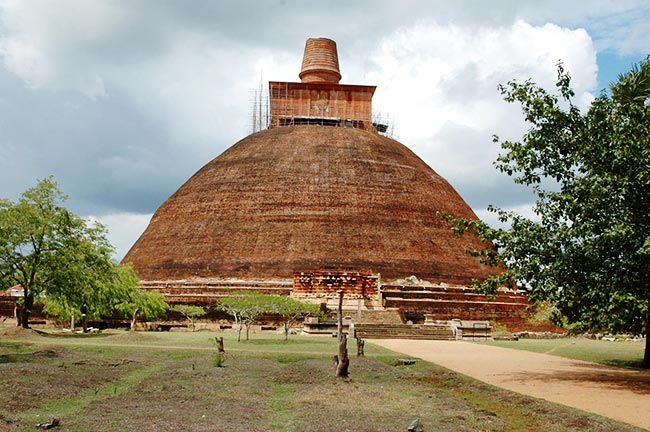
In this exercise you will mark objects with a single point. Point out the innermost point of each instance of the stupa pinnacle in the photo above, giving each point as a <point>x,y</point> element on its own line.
<point>320,62</point>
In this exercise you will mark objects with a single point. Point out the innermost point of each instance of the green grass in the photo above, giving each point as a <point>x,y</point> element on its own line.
<point>168,381</point>
<point>621,354</point>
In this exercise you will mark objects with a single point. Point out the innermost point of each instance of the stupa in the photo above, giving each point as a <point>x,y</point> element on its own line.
<point>319,192</point>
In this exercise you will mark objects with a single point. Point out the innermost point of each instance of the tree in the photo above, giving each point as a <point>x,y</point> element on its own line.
<point>63,261</point>
<point>46,249</point>
<point>190,312</point>
<point>90,280</point>
<point>588,250</point>
<point>342,360</point>
<point>245,308</point>
<point>129,300</point>
<point>290,310</point>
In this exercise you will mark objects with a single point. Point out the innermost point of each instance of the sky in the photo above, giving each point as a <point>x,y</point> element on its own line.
<point>121,101</point>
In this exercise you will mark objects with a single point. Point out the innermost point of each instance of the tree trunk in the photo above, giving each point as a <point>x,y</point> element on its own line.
<point>339,319</point>
<point>287,324</point>
<point>220,347</point>
<point>72,319</point>
<point>133,319</point>
<point>646,355</point>
<point>360,344</point>
<point>238,323</point>
<point>342,360</point>
<point>18,314</point>
<point>84,323</point>
<point>27,309</point>
<point>248,328</point>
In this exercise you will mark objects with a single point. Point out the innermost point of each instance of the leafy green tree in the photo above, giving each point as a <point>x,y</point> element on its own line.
<point>190,312</point>
<point>587,251</point>
<point>291,310</point>
<point>246,308</point>
<point>64,261</point>
<point>235,306</point>
<point>43,245</point>
<point>131,301</point>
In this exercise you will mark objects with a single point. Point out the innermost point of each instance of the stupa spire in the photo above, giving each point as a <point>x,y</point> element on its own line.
<point>320,63</point>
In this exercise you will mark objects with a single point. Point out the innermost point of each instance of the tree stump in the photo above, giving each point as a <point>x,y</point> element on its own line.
<point>360,344</point>
<point>343,359</point>
<point>220,347</point>
<point>415,426</point>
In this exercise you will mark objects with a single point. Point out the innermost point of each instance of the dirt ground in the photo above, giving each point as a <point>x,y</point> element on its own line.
<point>619,394</point>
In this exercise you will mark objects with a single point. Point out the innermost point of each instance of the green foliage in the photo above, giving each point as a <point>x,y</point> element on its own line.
<point>219,359</point>
<point>246,308</point>
<point>131,301</point>
<point>291,310</point>
<point>190,312</point>
<point>588,251</point>
<point>61,259</point>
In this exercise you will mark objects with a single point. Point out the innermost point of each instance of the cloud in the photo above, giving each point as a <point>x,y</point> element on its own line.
<point>123,101</point>
<point>439,82</point>
<point>123,229</point>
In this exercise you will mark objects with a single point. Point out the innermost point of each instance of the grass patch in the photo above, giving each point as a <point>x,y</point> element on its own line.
<point>620,354</point>
<point>63,407</point>
<point>168,381</point>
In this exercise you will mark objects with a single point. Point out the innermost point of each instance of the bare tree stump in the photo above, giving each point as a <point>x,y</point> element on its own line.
<point>220,347</point>
<point>415,426</point>
<point>52,423</point>
<point>343,361</point>
<point>360,344</point>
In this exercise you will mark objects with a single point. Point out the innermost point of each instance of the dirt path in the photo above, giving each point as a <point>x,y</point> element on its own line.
<point>619,394</point>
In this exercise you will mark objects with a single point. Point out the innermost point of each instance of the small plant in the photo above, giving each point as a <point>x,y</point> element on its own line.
<point>219,359</point>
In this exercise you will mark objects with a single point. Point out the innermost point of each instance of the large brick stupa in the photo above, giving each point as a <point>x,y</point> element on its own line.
<point>319,189</point>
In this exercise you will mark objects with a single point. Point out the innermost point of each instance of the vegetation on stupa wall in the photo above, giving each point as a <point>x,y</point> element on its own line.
<point>63,261</point>
<point>587,251</point>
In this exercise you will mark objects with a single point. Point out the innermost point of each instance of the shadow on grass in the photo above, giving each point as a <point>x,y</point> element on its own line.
<point>628,364</point>
<point>71,335</point>
<point>637,381</point>
<point>29,357</point>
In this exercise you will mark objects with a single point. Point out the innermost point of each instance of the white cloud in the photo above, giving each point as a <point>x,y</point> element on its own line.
<point>123,229</point>
<point>440,84</point>
<point>49,45</point>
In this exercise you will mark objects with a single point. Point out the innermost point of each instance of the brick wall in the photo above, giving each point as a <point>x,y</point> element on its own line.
<point>319,103</point>
<point>328,284</point>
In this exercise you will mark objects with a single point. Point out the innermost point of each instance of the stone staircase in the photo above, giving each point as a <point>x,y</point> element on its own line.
<point>442,302</point>
<point>404,331</point>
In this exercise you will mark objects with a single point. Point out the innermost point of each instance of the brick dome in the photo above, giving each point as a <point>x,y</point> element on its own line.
<point>304,198</point>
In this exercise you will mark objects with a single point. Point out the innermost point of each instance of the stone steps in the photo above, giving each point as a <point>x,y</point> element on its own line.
<point>403,331</point>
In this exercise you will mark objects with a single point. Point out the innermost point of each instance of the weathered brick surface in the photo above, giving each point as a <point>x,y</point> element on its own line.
<point>510,308</point>
<point>320,62</point>
<point>311,103</point>
<point>310,197</point>
<point>329,283</point>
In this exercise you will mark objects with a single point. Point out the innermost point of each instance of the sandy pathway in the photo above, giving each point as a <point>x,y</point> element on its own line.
<point>620,394</point>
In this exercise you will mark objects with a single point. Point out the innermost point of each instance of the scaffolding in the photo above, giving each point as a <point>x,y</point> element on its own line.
<point>281,104</point>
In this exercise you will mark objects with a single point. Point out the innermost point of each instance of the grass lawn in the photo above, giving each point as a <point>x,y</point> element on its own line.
<point>168,382</point>
<point>621,353</point>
